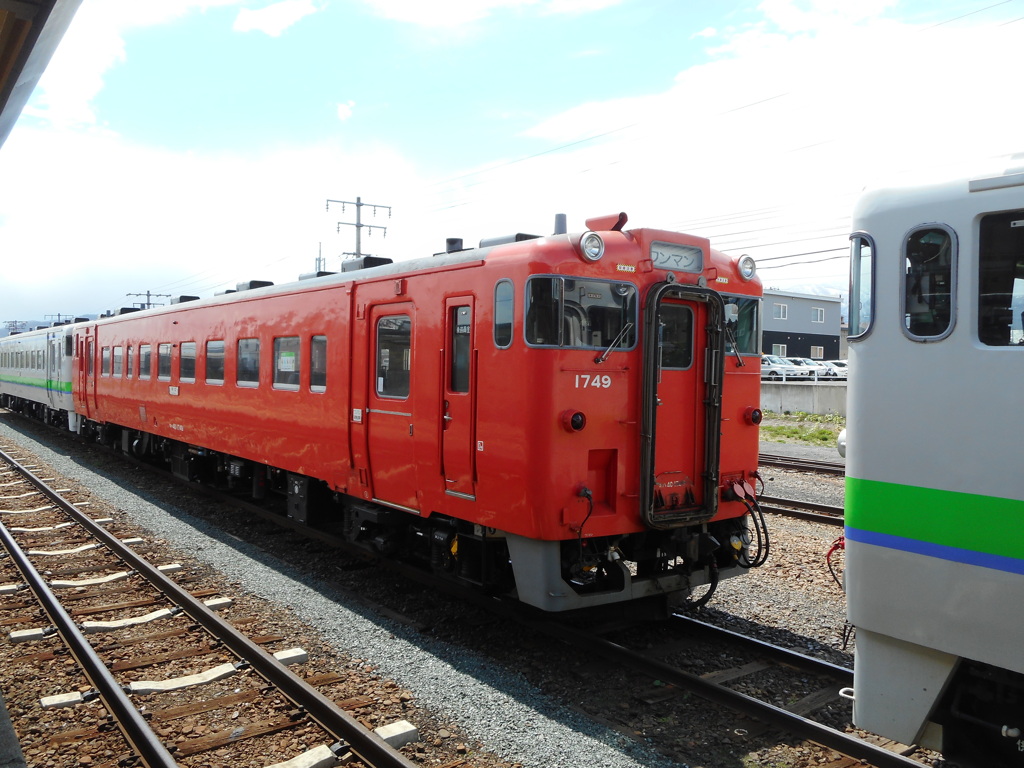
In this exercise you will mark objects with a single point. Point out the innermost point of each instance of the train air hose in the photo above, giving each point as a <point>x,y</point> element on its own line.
<point>761,531</point>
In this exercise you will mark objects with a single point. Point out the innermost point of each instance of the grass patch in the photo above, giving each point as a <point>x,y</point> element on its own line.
<point>807,428</point>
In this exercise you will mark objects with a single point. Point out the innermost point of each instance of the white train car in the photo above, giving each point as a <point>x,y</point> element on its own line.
<point>935,487</point>
<point>35,374</point>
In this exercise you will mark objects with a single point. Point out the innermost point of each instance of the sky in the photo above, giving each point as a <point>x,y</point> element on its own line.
<point>178,147</point>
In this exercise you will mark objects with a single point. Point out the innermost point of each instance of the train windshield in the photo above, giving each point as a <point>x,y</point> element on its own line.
<point>742,314</point>
<point>580,314</point>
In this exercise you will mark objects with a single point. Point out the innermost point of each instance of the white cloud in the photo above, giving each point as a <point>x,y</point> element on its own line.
<point>345,110</point>
<point>274,19</point>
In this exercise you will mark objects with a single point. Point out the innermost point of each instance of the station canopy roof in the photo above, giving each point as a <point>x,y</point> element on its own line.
<point>29,33</point>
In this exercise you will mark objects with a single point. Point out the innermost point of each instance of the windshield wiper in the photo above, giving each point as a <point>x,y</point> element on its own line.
<point>615,342</point>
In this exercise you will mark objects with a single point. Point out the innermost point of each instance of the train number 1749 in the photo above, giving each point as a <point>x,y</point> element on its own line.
<point>584,380</point>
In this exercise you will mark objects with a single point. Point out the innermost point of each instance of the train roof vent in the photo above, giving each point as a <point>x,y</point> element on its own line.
<point>250,285</point>
<point>182,299</point>
<point>518,237</point>
<point>41,327</point>
<point>81,319</point>
<point>127,310</point>
<point>225,292</point>
<point>315,275</point>
<point>364,262</point>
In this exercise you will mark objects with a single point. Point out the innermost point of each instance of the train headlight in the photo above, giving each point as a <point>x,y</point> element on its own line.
<point>591,246</point>
<point>574,421</point>
<point>748,268</point>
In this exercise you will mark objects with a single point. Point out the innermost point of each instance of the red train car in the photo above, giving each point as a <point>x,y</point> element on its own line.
<point>570,418</point>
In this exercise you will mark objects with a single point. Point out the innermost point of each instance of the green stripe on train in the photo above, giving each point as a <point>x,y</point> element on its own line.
<point>963,520</point>
<point>50,384</point>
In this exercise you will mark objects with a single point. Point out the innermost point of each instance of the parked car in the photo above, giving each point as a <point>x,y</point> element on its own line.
<point>776,368</point>
<point>841,367</point>
<point>815,368</point>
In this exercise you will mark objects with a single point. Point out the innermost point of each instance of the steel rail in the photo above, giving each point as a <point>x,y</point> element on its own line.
<point>842,675</point>
<point>808,465</point>
<point>364,742</point>
<point>129,720</point>
<point>803,510</point>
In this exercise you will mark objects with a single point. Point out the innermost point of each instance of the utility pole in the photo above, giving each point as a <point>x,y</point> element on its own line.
<point>58,318</point>
<point>358,224</point>
<point>14,326</point>
<point>149,299</point>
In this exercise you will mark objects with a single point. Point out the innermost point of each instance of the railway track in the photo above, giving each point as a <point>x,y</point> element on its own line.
<point>826,514</point>
<point>802,465</point>
<point>725,687</point>
<point>263,706</point>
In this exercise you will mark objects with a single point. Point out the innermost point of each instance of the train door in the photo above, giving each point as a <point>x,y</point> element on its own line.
<point>390,406</point>
<point>458,404</point>
<point>683,365</point>
<point>84,372</point>
<point>53,359</point>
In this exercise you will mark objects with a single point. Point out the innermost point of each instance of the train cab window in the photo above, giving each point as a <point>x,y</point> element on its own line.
<point>187,364</point>
<point>215,362</point>
<point>105,361</point>
<point>118,361</point>
<point>145,361</point>
<point>163,362</point>
<point>318,364</point>
<point>1001,280</point>
<point>928,283</point>
<point>742,325</point>
<point>504,307</point>
<point>394,355</point>
<point>286,363</point>
<point>129,371</point>
<point>862,284</point>
<point>248,373</point>
<point>676,336</point>
<point>580,314</point>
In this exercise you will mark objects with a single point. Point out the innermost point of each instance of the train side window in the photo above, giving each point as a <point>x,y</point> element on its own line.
<point>118,361</point>
<point>129,371</point>
<point>1001,279</point>
<point>145,361</point>
<point>163,362</point>
<point>187,365</point>
<point>215,362</point>
<point>105,361</point>
<point>318,364</point>
<point>248,374</point>
<point>862,284</point>
<point>394,355</point>
<point>929,256</point>
<point>504,308</point>
<point>286,363</point>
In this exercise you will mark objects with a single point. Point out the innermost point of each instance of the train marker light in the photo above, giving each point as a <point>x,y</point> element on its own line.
<point>574,421</point>
<point>591,246</point>
<point>753,416</point>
